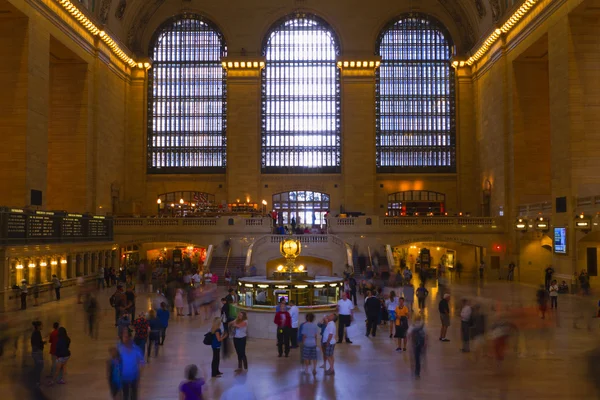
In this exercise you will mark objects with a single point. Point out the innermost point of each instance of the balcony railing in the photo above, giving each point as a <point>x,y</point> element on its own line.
<point>414,224</point>
<point>544,208</point>
<point>193,225</point>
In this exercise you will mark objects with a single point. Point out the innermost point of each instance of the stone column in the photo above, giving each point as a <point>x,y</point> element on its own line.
<point>358,134</point>
<point>564,99</point>
<point>243,131</point>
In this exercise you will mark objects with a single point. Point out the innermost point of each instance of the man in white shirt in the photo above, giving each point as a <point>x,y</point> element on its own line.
<point>328,343</point>
<point>465,324</point>
<point>294,314</point>
<point>345,309</point>
<point>196,279</point>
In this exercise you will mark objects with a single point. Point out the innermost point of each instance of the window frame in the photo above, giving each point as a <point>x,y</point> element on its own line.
<point>150,169</point>
<point>337,168</point>
<point>452,168</point>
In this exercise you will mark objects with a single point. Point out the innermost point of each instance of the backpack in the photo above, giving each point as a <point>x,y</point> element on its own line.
<point>208,338</point>
<point>113,300</point>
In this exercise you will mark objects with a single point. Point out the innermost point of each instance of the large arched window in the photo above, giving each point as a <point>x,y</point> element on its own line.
<point>415,97</point>
<point>305,206</point>
<point>301,98</point>
<point>186,98</point>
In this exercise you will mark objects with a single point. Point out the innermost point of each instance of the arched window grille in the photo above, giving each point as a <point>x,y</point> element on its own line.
<point>416,123</point>
<point>186,98</point>
<point>301,98</point>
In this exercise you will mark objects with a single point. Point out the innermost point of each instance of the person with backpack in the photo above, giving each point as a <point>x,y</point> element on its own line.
<point>418,339</point>
<point>216,337</point>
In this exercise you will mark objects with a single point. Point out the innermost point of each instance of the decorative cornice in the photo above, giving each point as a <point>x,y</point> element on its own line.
<point>94,30</point>
<point>508,25</point>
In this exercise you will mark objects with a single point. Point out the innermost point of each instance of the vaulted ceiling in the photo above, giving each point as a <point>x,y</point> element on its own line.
<point>134,21</point>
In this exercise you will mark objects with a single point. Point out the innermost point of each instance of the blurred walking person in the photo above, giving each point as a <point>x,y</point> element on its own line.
<point>91,309</point>
<point>132,358</point>
<point>57,285</point>
<point>114,373</point>
<point>418,340</point>
<point>155,327</point>
<point>163,315</point>
<point>191,388</point>
<point>391,305</point>
<point>444,310</point>
<point>53,339</point>
<point>37,352</point>
<point>465,325</point>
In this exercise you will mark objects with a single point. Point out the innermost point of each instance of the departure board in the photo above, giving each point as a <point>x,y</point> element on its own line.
<point>41,226</point>
<point>97,227</point>
<point>16,225</point>
<point>72,226</point>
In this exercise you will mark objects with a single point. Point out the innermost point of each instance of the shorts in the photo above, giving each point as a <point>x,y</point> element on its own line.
<point>309,353</point>
<point>329,349</point>
<point>402,328</point>
<point>445,318</point>
<point>392,315</point>
<point>62,360</point>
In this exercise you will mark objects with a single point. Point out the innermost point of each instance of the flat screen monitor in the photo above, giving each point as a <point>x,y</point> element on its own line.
<point>560,240</point>
<point>285,294</point>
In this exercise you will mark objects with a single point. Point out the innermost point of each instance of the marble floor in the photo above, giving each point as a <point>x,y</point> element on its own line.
<point>368,368</point>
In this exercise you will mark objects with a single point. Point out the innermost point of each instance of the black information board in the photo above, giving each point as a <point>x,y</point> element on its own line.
<point>25,226</point>
<point>72,227</point>
<point>97,227</point>
<point>16,225</point>
<point>42,226</point>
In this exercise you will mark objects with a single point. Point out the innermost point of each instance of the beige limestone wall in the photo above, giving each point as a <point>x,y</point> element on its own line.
<point>67,137</point>
<point>531,132</point>
<point>490,88</point>
<point>534,259</point>
<point>110,151</point>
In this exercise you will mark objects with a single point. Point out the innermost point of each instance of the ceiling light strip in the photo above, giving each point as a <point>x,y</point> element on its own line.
<point>95,31</point>
<point>504,29</point>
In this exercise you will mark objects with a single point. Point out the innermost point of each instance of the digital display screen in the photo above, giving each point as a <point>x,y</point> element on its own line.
<point>560,240</point>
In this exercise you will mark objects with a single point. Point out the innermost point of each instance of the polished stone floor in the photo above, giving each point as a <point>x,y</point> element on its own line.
<point>369,368</point>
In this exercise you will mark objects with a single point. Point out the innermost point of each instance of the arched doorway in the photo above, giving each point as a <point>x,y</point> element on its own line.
<point>305,206</point>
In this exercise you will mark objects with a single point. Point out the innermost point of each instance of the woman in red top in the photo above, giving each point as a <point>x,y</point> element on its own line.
<point>283,320</point>
<point>53,339</point>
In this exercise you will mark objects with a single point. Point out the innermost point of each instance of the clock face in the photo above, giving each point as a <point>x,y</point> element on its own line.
<point>290,247</point>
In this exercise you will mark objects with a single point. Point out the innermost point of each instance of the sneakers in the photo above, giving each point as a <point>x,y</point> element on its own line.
<point>398,348</point>
<point>348,340</point>
<point>329,372</point>
<point>445,340</point>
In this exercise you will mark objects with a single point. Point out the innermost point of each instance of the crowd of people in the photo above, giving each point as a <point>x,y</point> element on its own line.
<point>139,336</point>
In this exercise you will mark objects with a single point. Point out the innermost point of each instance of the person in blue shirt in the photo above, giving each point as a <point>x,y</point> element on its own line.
<point>132,359</point>
<point>163,316</point>
<point>154,335</point>
<point>217,337</point>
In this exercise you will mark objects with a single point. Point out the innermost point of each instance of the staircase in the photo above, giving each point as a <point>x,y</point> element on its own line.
<point>217,266</point>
